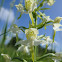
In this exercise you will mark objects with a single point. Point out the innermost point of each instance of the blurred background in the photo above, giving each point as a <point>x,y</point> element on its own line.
<point>9,15</point>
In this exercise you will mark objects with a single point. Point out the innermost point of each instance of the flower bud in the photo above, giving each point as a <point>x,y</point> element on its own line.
<point>57,19</point>
<point>20,7</point>
<point>50,2</point>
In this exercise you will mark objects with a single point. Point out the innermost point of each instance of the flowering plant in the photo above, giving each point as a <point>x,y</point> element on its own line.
<point>33,40</point>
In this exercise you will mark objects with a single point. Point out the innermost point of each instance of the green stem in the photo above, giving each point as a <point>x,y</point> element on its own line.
<point>46,48</point>
<point>16,37</point>
<point>54,35</point>
<point>32,52</point>
<point>35,52</point>
<point>32,19</point>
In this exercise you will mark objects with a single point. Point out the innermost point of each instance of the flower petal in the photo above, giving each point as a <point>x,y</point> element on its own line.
<point>23,42</point>
<point>37,42</point>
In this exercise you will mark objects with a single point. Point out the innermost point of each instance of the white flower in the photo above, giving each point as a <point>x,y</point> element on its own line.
<point>30,5</point>
<point>55,60</point>
<point>58,57</point>
<point>57,19</point>
<point>23,48</point>
<point>31,33</point>
<point>50,2</point>
<point>56,27</point>
<point>45,17</point>
<point>14,29</point>
<point>20,8</point>
<point>29,42</point>
<point>32,40</point>
<point>46,40</point>
<point>6,57</point>
<point>56,24</point>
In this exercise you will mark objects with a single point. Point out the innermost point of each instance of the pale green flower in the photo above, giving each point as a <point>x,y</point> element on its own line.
<point>32,40</point>
<point>47,18</point>
<point>46,40</point>
<point>14,29</point>
<point>20,8</point>
<point>6,57</point>
<point>56,24</point>
<point>30,5</point>
<point>57,19</point>
<point>27,44</point>
<point>24,49</point>
<point>50,2</point>
<point>58,57</point>
<point>56,27</point>
<point>31,33</point>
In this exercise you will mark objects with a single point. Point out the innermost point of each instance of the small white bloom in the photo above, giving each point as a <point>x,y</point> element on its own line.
<point>57,19</point>
<point>58,57</point>
<point>46,40</point>
<point>14,29</point>
<point>50,2</point>
<point>46,17</point>
<point>20,8</point>
<point>6,57</point>
<point>23,48</point>
<point>30,5</point>
<point>23,42</point>
<point>55,60</point>
<point>56,27</point>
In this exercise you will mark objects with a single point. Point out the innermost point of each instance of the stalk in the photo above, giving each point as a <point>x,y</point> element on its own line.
<point>32,19</point>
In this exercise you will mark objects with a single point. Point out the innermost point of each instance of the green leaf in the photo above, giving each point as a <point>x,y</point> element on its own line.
<point>44,9</point>
<point>23,27</point>
<point>35,17</point>
<point>17,59</point>
<point>41,25</point>
<point>41,4</point>
<point>20,59</point>
<point>45,56</point>
<point>19,16</point>
<point>4,35</point>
